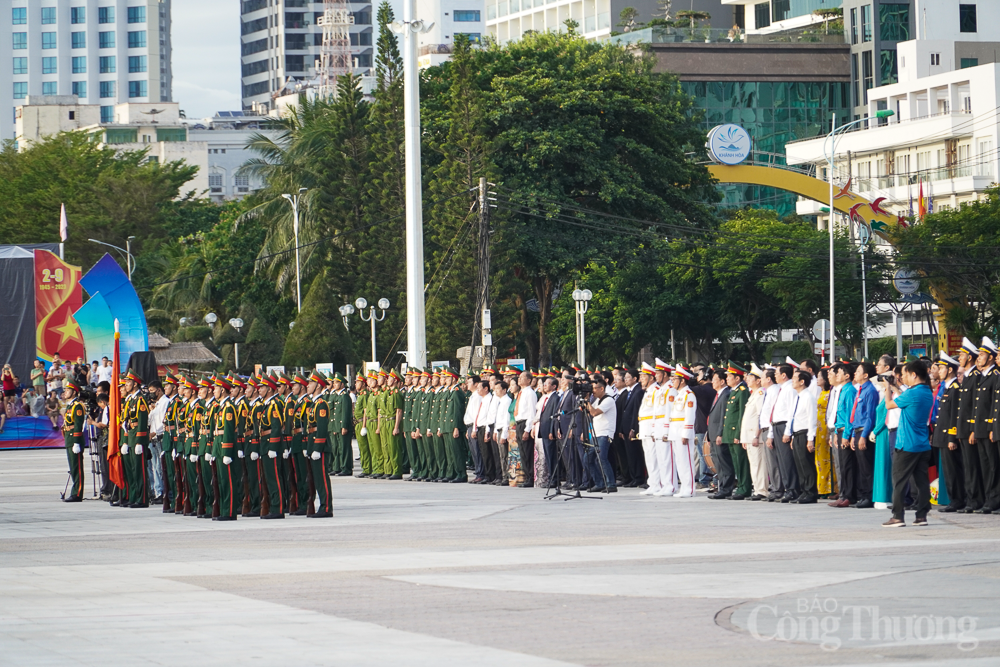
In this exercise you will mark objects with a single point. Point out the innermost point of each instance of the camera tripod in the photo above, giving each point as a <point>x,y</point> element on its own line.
<point>553,490</point>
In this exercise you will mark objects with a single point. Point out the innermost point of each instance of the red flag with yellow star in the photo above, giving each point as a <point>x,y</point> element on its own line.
<point>57,296</point>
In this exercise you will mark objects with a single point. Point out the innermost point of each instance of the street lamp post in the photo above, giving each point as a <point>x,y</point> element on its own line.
<point>832,138</point>
<point>237,324</point>
<point>347,309</point>
<point>582,299</point>
<point>294,199</point>
<point>129,259</point>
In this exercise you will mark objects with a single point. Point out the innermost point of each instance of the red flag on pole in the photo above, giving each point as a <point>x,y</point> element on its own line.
<point>116,472</point>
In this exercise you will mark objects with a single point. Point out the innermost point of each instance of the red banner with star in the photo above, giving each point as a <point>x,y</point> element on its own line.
<point>57,296</point>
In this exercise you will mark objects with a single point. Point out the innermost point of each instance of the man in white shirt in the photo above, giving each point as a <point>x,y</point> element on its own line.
<point>831,420</point>
<point>771,389</point>
<point>779,438</point>
<point>802,427</point>
<point>471,410</point>
<point>104,371</point>
<point>524,415</point>
<point>604,415</point>
<point>482,427</point>
<point>500,410</point>
<point>156,427</point>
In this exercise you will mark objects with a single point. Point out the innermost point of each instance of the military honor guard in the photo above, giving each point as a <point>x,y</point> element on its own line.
<point>75,418</point>
<point>683,412</point>
<point>732,426</point>
<point>945,437</point>
<point>317,433</point>
<point>134,451</point>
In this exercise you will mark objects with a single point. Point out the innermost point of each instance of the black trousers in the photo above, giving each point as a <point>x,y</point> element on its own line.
<point>974,496</point>
<point>848,469</point>
<point>636,461</point>
<point>552,463</point>
<point>477,461</point>
<point>527,449</point>
<point>488,453</point>
<point>786,461</point>
<point>904,466</point>
<point>725,472</point>
<point>805,465</point>
<point>989,460</point>
<point>865,459</point>
<point>954,475</point>
<point>618,458</point>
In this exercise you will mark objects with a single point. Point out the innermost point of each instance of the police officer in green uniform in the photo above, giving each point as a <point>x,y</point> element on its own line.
<point>76,414</point>
<point>137,434</point>
<point>732,422</point>
<point>361,433</point>
<point>371,425</point>
<point>318,441</point>
<point>340,426</point>
<point>392,428</point>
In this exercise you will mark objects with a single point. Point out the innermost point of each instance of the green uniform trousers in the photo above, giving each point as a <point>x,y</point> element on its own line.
<point>741,465</point>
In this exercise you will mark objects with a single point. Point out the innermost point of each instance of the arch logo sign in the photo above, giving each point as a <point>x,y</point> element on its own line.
<point>728,144</point>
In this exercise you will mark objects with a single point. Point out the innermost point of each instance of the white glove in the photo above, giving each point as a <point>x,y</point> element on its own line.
<point>209,458</point>
<point>254,456</point>
<point>364,431</point>
<point>240,453</point>
<point>272,454</point>
<point>305,452</point>
<point>193,458</point>
<point>138,450</point>
<point>315,456</point>
<point>76,448</point>
<point>173,455</point>
<point>124,450</point>
<point>284,454</point>
<point>226,460</point>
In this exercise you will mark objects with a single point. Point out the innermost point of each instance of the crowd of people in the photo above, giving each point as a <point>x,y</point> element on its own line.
<point>42,395</point>
<point>857,434</point>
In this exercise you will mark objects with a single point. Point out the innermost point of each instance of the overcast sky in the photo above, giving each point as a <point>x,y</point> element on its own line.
<point>206,39</point>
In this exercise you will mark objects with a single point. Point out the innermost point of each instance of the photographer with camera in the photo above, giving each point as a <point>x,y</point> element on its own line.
<point>603,413</point>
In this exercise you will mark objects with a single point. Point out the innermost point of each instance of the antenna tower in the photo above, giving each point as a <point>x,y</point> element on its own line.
<point>335,57</point>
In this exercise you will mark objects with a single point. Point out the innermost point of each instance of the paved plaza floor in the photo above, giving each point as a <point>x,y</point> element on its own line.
<point>458,574</point>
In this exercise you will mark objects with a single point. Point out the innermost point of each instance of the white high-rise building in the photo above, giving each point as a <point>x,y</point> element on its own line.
<point>281,42</point>
<point>103,51</point>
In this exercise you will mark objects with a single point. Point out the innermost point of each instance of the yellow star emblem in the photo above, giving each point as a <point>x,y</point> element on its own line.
<point>68,330</point>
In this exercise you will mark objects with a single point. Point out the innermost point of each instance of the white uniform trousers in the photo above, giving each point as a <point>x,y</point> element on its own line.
<point>685,462</point>
<point>664,468</point>
<point>652,466</point>
<point>758,468</point>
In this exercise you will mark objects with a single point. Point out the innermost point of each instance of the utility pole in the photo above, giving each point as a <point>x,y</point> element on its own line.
<point>481,326</point>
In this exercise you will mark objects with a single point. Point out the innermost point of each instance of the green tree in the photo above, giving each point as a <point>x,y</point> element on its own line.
<point>318,335</point>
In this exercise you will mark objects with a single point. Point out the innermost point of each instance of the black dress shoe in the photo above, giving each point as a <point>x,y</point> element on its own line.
<point>229,518</point>
<point>395,477</point>
<point>321,515</point>
<point>642,486</point>
<point>984,510</point>
<point>301,511</point>
<point>786,499</point>
<point>865,505</point>
<point>362,475</point>
<point>73,499</point>
<point>948,508</point>
<point>807,501</point>
<point>525,486</point>
<point>274,516</point>
<point>611,489</point>
<point>737,496</point>
<point>596,489</point>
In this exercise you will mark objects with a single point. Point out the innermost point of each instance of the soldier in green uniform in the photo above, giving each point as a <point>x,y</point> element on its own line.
<point>299,460</point>
<point>270,445</point>
<point>371,425</point>
<point>341,410</point>
<point>255,472</point>
<point>317,434</point>
<point>76,415</point>
<point>360,407</point>
<point>731,425</point>
<point>182,503</point>
<point>225,452</point>
<point>286,399</point>
<point>168,443</point>
<point>391,425</point>
<point>410,445</point>
<point>435,444</point>
<point>137,434</point>
<point>241,405</point>
<point>421,415</point>
<point>193,414</point>
<point>452,427</point>
<point>205,455</point>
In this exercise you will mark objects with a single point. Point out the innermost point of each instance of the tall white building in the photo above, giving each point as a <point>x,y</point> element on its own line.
<point>450,18</point>
<point>281,42</point>
<point>103,51</point>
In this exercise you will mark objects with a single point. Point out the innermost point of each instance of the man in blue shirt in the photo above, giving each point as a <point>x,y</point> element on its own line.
<point>862,423</point>
<point>912,443</point>
<point>848,479</point>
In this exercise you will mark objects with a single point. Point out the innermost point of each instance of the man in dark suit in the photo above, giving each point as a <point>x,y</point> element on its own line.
<point>720,453</point>
<point>567,423</point>
<point>618,456</point>
<point>633,443</point>
<point>548,409</point>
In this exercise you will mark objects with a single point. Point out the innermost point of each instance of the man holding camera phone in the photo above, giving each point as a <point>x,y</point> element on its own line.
<point>602,410</point>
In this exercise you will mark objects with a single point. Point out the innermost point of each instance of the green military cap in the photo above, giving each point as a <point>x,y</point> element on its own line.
<point>338,376</point>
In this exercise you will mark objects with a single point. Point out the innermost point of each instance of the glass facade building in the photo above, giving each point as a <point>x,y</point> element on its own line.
<point>774,113</point>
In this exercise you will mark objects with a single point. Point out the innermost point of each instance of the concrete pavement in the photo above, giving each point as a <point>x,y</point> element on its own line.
<point>414,573</point>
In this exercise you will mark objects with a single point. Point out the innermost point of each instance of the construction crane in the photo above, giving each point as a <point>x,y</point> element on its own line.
<point>335,56</point>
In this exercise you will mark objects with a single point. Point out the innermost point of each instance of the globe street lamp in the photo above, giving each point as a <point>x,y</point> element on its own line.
<point>361,303</point>
<point>294,200</point>
<point>345,312</point>
<point>237,324</point>
<point>582,299</point>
